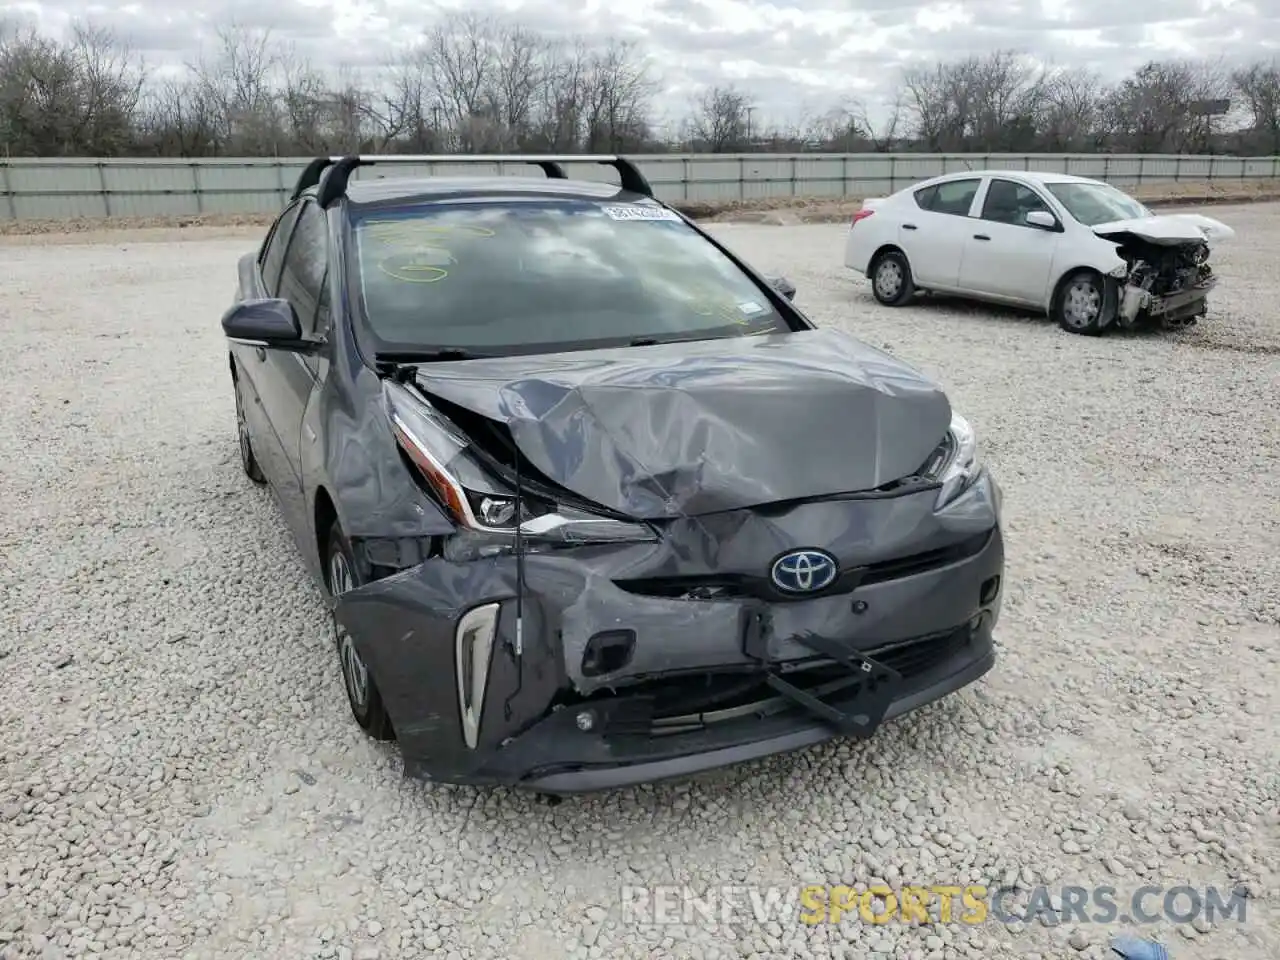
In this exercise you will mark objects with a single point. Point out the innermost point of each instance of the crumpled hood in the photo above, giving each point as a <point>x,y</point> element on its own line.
<point>1170,229</point>
<point>690,428</point>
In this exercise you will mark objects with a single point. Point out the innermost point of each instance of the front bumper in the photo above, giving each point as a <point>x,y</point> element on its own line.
<point>678,702</point>
<point>1169,309</point>
<point>559,758</point>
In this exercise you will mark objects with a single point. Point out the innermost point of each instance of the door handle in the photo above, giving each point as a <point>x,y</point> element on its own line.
<point>262,353</point>
<point>908,226</point>
<point>981,236</point>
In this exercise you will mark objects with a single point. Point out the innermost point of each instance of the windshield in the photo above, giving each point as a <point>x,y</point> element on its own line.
<point>1094,203</point>
<point>521,276</point>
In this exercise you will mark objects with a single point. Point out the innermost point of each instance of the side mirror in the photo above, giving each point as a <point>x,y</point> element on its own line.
<point>1042,219</point>
<point>783,286</point>
<point>267,323</point>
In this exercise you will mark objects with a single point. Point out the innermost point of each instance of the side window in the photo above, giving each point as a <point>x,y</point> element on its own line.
<point>925,197</point>
<point>322,311</point>
<point>273,253</point>
<point>305,264</point>
<point>955,197</point>
<point>1009,202</point>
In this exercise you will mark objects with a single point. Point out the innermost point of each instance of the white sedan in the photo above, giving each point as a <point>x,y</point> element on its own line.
<point>1084,252</point>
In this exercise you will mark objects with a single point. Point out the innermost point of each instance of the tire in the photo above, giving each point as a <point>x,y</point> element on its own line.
<point>1079,303</point>
<point>248,461</point>
<point>363,697</point>
<point>891,281</point>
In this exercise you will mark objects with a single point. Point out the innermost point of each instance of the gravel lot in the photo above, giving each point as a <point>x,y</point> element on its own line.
<point>180,777</point>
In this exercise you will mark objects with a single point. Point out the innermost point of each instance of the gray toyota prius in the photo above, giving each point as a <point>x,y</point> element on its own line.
<point>592,501</point>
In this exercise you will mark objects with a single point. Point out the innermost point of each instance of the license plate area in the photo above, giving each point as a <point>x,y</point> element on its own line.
<point>855,704</point>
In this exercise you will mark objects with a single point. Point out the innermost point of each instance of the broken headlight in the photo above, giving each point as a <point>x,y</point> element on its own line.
<point>954,463</point>
<point>484,508</point>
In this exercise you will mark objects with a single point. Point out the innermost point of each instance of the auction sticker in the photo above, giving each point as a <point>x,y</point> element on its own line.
<point>751,307</point>
<point>638,212</point>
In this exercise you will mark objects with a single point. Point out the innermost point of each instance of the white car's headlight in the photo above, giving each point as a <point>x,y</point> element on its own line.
<point>954,463</point>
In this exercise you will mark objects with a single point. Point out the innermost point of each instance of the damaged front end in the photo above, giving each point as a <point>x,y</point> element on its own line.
<point>681,618</point>
<point>1168,284</point>
<point>1167,276</point>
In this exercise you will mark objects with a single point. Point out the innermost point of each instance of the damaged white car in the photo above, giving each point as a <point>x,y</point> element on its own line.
<point>1089,255</point>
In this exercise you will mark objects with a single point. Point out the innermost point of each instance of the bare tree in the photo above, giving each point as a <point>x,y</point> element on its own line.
<point>1258,86</point>
<point>1069,113</point>
<point>719,121</point>
<point>80,96</point>
<point>485,83</point>
<point>239,82</point>
<point>1154,111</point>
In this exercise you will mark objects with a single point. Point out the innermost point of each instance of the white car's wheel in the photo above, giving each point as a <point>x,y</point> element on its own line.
<point>1080,302</point>
<point>891,281</point>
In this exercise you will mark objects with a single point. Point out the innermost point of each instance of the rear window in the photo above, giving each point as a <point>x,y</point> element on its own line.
<point>952,196</point>
<point>506,277</point>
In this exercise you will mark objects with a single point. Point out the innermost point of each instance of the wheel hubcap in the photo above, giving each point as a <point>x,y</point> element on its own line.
<point>1083,304</point>
<point>889,279</point>
<point>354,672</point>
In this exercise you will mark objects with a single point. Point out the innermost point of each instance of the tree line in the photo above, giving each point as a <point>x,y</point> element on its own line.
<point>482,84</point>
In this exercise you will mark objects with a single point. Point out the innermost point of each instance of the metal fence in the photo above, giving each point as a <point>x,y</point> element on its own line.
<point>73,188</point>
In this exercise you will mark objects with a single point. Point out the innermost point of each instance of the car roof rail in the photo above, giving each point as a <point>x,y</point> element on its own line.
<point>310,175</point>
<point>333,173</point>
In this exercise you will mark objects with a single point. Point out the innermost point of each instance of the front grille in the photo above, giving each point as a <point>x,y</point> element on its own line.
<point>679,704</point>
<point>915,657</point>
<point>746,586</point>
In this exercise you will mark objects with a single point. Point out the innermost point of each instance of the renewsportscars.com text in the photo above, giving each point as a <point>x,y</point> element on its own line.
<point>938,903</point>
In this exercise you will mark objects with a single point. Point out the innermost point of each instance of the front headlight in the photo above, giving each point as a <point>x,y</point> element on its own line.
<point>481,506</point>
<point>954,463</point>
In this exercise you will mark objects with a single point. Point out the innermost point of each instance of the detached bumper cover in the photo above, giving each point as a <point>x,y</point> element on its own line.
<point>704,682</point>
<point>557,757</point>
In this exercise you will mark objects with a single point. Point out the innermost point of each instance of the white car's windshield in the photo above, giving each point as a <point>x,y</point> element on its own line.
<point>495,277</point>
<point>1094,203</point>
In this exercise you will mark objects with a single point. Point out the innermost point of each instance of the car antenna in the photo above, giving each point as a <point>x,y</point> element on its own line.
<point>519,548</point>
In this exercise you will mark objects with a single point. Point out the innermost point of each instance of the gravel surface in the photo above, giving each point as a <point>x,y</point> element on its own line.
<point>180,777</point>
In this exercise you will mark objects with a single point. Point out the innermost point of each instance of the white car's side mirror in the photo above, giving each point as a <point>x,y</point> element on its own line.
<point>1043,219</point>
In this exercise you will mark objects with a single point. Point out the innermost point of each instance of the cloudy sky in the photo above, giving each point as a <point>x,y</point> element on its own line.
<point>792,57</point>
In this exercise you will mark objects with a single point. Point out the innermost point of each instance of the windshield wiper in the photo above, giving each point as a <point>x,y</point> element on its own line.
<point>654,341</point>
<point>427,356</point>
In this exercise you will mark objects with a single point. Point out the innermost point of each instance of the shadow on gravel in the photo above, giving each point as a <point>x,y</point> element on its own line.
<point>1193,337</point>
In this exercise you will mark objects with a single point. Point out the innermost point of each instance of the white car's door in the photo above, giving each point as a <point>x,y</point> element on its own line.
<point>1004,256</point>
<point>933,232</point>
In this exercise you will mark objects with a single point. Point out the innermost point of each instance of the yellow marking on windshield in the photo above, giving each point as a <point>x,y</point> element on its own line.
<point>415,243</point>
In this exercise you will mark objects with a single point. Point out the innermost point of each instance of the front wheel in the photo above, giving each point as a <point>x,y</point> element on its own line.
<point>362,692</point>
<point>248,461</point>
<point>891,279</point>
<point>1079,304</point>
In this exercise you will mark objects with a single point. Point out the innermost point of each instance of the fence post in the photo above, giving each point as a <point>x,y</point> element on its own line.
<point>844,175</point>
<point>742,177</point>
<point>795,185</point>
<point>195,185</point>
<point>1212,164</point>
<point>684,176</point>
<point>893,172</point>
<point>1106,168</point>
<point>1142,168</point>
<point>102,186</point>
<point>6,184</point>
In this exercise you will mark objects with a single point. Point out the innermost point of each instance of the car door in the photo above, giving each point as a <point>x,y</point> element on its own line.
<point>1004,256</point>
<point>933,234</point>
<point>252,365</point>
<point>291,377</point>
